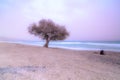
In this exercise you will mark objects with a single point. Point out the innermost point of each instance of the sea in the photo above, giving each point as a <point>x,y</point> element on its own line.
<point>77,45</point>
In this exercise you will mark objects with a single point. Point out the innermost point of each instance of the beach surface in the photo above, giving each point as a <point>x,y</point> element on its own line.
<point>23,62</point>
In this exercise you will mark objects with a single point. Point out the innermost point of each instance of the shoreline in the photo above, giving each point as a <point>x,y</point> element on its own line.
<point>69,48</point>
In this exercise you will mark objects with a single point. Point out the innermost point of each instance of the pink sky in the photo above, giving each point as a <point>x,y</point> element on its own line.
<point>84,19</point>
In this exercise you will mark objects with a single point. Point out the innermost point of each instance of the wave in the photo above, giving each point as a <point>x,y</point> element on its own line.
<point>105,44</point>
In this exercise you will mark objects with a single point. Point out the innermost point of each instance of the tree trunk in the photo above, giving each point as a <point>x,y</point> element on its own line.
<point>47,42</point>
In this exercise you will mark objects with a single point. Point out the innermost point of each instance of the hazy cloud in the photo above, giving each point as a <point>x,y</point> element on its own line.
<point>90,19</point>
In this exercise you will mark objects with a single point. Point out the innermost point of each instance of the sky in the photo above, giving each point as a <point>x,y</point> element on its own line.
<point>85,20</point>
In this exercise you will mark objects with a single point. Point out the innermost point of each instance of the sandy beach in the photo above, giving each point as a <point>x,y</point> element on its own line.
<point>23,62</point>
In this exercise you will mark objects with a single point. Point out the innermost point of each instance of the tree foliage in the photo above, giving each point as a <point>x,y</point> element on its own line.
<point>48,30</point>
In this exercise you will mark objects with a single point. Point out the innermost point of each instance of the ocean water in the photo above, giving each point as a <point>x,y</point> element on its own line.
<point>77,45</point>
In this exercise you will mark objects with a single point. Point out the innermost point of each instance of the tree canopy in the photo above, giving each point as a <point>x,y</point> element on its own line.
<point>48,30</point>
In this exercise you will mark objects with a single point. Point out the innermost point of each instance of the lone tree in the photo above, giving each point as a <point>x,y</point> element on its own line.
<point>48,30</point>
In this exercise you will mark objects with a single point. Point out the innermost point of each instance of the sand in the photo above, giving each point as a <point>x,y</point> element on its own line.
<point>23,62</point>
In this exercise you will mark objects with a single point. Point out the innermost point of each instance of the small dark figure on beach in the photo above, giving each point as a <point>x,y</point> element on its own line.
<point>102,52</point>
